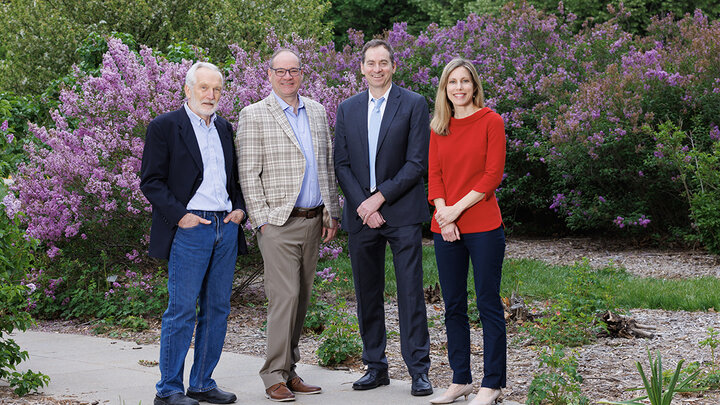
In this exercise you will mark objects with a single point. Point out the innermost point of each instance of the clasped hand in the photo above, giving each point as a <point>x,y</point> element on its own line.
<point>368,211</point>
<point>446,215</point>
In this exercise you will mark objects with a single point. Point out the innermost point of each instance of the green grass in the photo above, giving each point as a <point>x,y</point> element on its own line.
<point>537,280</point>
<point>696,294</point>
<point>542,281</point>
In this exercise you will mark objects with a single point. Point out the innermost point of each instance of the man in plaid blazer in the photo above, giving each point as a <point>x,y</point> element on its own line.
<point>285,164</point>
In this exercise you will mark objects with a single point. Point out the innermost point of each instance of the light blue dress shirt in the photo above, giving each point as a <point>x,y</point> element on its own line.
<point>372,143</point>
<point>310,196</point>
<point>212,194</point>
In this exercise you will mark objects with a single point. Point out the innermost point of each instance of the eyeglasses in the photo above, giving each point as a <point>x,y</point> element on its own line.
<point>280,72</point>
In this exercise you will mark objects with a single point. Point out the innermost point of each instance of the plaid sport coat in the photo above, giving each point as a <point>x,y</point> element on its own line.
<point>271,165</point>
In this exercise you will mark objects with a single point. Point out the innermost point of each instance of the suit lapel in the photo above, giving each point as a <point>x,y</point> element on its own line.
<point>391,108</point>
<point>279,116</point>
<point>226,142</point>
<point>313,121</point>
<point>188,136</point>
<point>362,108</point>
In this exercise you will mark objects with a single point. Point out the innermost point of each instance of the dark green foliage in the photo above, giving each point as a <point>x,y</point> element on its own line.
<point>39,37</point>
<point>16,256</point>
<point>373,17</point>
<point>693,159</point>
<point>704,209</point>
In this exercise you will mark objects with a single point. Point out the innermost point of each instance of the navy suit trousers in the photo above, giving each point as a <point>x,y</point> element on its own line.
<point>367,255</point>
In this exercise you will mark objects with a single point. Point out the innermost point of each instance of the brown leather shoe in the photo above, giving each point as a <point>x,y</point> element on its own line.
<point>298,386</point>
<point>279,393</point>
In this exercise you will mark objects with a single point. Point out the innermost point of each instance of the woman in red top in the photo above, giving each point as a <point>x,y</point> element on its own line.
<point>466,163</point>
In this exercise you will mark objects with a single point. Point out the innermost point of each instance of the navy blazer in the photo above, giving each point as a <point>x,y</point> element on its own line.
<point>172,171</point>
<point>401,160</point>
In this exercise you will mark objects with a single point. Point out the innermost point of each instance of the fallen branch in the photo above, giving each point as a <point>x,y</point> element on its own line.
<point>620,326</point>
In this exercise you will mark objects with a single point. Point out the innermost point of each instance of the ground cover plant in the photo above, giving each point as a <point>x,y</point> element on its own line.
<point>559,381</point>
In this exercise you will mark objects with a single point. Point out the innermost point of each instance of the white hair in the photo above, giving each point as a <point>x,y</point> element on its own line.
<point>190,78</point>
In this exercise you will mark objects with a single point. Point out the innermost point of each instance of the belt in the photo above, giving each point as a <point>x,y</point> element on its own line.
<point>307,212</point>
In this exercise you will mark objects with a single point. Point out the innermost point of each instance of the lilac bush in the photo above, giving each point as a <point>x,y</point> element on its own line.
<point>81,179</point>
<point>79,190</point>
<point>605,138</point>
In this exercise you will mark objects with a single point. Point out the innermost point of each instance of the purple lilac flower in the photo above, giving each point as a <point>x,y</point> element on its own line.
<point>558,201</point>
<point>326,274</point>
<point>715,133</point>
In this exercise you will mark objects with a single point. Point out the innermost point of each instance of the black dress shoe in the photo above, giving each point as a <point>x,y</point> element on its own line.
<point>214,396</point>
<point>372,379</point>
<point>421,385</point>
<point>175,399</point>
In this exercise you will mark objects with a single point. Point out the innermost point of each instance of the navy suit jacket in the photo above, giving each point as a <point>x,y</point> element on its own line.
<point>401,160</point>
<point>172,171</point>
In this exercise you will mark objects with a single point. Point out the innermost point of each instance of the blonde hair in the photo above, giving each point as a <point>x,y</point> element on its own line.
<point>443,107</point>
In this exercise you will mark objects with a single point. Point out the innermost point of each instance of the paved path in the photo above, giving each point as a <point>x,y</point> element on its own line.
<point>105,371</point>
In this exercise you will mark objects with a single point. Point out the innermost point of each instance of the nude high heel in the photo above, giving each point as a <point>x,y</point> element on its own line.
<point>453,392</point>
<point>487,396</point>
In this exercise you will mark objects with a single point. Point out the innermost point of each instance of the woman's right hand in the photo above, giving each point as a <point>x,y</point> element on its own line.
<point>450,232</point>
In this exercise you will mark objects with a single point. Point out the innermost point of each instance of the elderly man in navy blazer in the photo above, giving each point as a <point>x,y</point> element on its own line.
<point>381,150</point>
<point>189,175</point>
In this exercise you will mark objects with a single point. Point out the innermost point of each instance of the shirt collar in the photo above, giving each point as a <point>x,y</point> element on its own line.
<point>285,105</point>
<point>196,118</point>
<point>386,95</point>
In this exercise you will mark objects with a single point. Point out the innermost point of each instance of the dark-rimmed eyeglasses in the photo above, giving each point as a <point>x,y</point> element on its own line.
<point>280,72</point>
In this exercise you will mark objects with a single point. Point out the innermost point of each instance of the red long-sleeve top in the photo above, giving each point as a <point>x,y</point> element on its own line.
<point>470,157</point>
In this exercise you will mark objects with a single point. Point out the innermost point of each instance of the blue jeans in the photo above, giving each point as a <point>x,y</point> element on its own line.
<point>200,275</point>
<point>487,250</point>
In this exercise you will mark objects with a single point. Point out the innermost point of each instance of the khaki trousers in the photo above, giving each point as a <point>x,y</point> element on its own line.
<point>290,254</point>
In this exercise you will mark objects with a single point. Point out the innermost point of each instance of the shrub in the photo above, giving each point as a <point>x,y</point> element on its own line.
<point>16,254</point>
<point>693,156</point>
<point>606,169</point>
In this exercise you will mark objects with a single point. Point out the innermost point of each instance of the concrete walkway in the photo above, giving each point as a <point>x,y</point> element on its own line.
<point>106,371</point>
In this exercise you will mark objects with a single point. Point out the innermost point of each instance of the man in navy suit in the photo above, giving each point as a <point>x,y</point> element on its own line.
<point>189,175</point>
<point>381,151</point>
